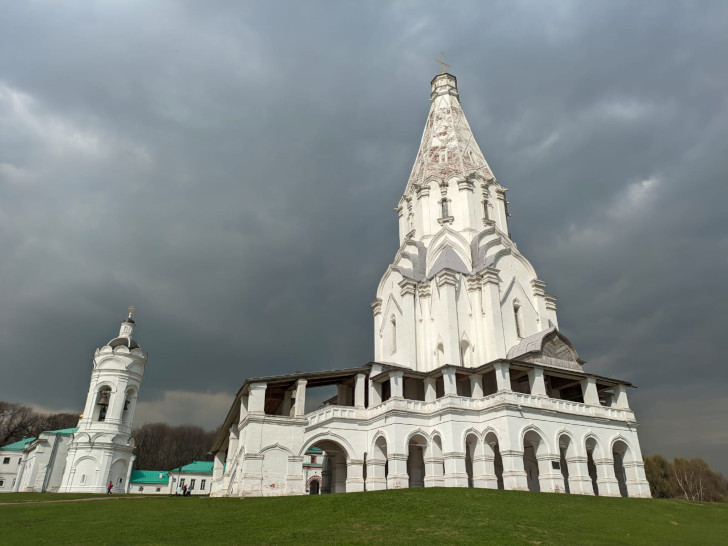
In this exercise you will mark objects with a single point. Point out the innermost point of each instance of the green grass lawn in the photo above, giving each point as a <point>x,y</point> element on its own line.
<point>424,516</point>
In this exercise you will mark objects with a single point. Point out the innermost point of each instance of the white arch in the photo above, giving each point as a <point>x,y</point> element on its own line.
<point>533,428</point>
<point>444,238</point>
<point>330,436</point>
<point>598,448</point>
<point>275,446</point>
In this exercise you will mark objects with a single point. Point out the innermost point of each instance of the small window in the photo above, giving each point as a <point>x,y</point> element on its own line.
<point>2,483</point>
<point>119,481</point>
<point>445,209</point>
<point>313,459</point>
<point>141,488</point>
<point>182,482</point>
<point>517,317</point>
<point>486,213</point>
<point>6,460</point>
<point>202,485</point>
<point>159,489</point>
<point>192,483</point>
<point>393,322</point>
<point>83,479</point>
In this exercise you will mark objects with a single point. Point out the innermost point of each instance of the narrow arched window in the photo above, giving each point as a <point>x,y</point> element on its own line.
<point>444,208</point>
<point>518,318</point>
<point>393,326</point>
<point>486,213</point>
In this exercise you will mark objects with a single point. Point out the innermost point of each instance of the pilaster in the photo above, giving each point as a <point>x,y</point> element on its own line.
<point>495,342</point>
<point>446,282</point>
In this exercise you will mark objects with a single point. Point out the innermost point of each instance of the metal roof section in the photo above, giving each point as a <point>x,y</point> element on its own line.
<point>196,467</point>
<point>20,445</point>
<point>149,476</point>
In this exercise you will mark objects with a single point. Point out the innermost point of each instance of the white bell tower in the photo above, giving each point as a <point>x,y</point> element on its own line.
<point>101,449</point>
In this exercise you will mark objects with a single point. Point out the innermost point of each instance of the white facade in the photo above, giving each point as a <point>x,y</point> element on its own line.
<point>101,449</point>
<point>472,383</point>
<point>11,459</point>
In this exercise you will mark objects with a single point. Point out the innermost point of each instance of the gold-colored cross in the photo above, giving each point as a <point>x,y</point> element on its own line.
<point>442,62</point>
<point>131,309</point>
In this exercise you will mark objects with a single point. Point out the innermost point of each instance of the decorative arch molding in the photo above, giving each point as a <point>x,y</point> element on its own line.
<point>391,270</point>
<point>515,286</point>
<point>490,430</point>
<point>418,432</point>
<point>377,436</point>
<point>533,428</point>
<point>78,437</point>
<point>598,448</point>
<point>448,237</point>
<point>331,437</point>
<point>83,459</point>
<point>511,251</point>
<point>620,438</point>
<point>105,383</point>
<point>276,447</point>
<point>471,431</point>
<point>314,479</point>
<point>392,308</point>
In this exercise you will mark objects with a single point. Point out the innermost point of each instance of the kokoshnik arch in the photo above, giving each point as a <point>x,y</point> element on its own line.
<point>472,385</point>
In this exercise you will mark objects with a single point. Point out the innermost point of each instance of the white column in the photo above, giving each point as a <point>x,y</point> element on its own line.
<point>354,476</point>
<point>536,381</point>
<point>448,379</point>
<point>377,312</point>
<point>550,480</point>
<point>396,383</point>
<point>398,477</point>
<point>579,480</point>
<point>502,376</point>
<point>430,392</point>
<point>256,397</point>
<point>589,390</point>
<point>455,473</point>
<point>426,343</point>
<point>300,398</point>
<point>361,381</point>
<point>606,480</point>
<point>475,295</point>
<point>447,281</point>
<point>495,342</point>
<point>620,397</point>
<point>376,480</point>
<point>286,410</point>
<point>476,386</point>
<point>406,331</point>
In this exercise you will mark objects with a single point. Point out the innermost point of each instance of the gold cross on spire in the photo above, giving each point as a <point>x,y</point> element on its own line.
<point>442,62</point>
<point>131,309</point>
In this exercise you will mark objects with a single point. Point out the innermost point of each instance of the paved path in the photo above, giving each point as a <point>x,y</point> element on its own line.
<point>109,497</point>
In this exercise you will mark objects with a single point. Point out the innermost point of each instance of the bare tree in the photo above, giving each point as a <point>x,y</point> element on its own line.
<point>17,422</point>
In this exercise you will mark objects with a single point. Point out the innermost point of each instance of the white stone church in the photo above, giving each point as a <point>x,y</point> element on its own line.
<point>473,384</point>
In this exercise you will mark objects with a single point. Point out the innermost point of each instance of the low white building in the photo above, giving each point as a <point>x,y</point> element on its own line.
<point>197,475</point>
<point>149,482</point>
<point>313,461</point>
<point>473,385</point>
<point>11,459</point>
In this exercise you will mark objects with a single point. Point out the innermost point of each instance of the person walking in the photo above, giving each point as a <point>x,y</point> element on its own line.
<point>108,487</point>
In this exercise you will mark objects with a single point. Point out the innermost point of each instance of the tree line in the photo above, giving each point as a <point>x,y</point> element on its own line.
<point>158,446</point>
<point>18,421</point>
<point>689,479</point>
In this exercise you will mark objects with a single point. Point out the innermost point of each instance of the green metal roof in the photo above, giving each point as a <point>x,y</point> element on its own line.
<point>149,476</point>
<point>314,450</point>
<point>19,445</point>
<point>196,467</point>
<point>62,431</point>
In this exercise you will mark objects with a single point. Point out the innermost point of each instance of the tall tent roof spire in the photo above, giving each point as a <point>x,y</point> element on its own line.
<point>448,147</point>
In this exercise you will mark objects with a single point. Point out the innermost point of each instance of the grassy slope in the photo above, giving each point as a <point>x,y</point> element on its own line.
<point>426,516</point>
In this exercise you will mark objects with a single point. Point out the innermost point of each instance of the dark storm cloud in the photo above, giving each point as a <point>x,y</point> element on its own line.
<point>231,171</point>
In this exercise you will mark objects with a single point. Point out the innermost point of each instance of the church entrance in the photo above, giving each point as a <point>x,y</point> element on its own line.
<point>590,465</point>
<point>619,453</point>
<point>416,461</point>
<point>313,489</point>
<point>333,469</point>
<point>531,443</point>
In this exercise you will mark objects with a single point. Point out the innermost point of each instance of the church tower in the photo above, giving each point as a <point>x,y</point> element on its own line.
<point>459,292</point>
<point>101,449</point>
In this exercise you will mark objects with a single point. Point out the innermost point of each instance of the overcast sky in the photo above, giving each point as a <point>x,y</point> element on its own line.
<point>230,169</point>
